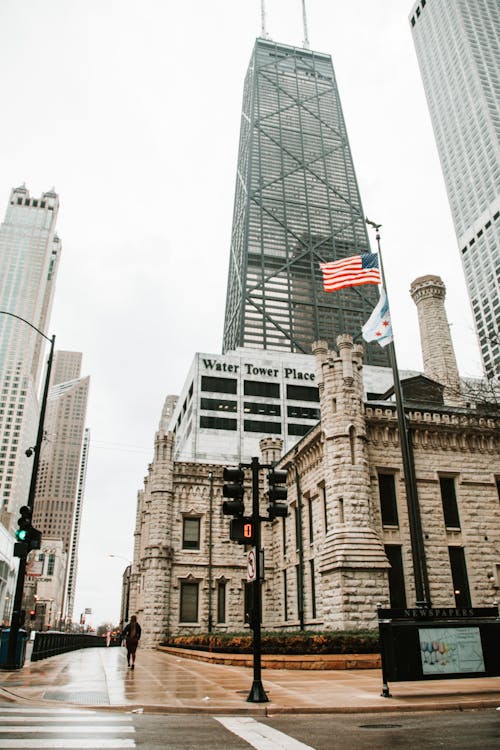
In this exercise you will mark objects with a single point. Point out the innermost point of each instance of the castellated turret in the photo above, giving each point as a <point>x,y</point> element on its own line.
<point>153,545</point>
<point>353,561</point>
<point>440,364</point>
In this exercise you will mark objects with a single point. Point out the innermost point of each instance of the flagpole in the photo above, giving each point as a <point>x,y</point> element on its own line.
<point>422,592</point>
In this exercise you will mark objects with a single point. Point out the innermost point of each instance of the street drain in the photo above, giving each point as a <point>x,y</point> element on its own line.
<point>380,726</point>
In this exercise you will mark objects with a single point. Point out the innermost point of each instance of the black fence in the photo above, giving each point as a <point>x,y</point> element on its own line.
<point>51,644</point>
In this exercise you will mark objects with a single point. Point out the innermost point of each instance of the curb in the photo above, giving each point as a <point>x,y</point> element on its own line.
<point>314,662</point>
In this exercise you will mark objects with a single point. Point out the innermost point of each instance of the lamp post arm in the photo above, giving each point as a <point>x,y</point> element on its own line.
<point>13,315</point>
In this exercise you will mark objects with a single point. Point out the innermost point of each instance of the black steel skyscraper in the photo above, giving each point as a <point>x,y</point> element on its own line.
<point>297,203</point>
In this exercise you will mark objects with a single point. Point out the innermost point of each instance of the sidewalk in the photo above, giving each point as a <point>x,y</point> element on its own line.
<point>166,683</point>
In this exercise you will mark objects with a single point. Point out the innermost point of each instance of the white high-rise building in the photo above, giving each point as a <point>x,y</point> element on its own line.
<point>457,45</point>
<point>29,257</point>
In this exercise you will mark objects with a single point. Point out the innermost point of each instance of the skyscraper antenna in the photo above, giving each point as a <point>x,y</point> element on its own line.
<point>264,33</point>
<point>305,43</point>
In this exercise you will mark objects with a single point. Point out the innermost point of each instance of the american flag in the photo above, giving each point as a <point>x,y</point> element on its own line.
<point>352,271</point>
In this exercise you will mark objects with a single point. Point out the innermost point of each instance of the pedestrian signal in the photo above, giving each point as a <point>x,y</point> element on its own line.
<point>241,530</point>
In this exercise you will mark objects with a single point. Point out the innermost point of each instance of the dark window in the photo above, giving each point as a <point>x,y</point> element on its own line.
<point>51,564</point>
<point>283,533</point>
<point>388,502</point>
<point>313,590</point>
<point>459,576</point>
<point>258,388</point>
<point>325,509</point>
<point>449,500</point>
<point>189,602</point>
<point>311,525</point>
<point>218,385</point>
<point>303,412</point>
<point>191,533</point>
<point>298,580</point>
<point>270,410</point>
<point>221,601</point>
<point>498,486</point>
<point>298,429</point>
<point>265,427</point>
<point>285,596</point>
<point>218,404</point>
<point>397,591</point>
<point>297,527</point>
<point>218,423</point>
<point>302,393</point>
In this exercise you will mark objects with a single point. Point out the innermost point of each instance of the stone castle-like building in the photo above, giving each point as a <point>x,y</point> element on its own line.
<point>345,546</point>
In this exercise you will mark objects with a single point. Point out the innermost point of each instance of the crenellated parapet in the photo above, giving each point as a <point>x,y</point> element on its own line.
<point>455,432</point>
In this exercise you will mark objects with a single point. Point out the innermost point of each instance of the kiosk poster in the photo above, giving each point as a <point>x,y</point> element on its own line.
<point>451,650</point>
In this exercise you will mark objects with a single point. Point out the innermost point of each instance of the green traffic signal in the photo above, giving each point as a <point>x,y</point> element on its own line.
<point>21,535</point>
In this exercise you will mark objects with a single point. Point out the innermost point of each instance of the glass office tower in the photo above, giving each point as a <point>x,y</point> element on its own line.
<point>459,58</point>
<point>296,204</point>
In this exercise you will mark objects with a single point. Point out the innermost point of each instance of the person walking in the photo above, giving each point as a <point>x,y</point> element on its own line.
<point>132,634</point>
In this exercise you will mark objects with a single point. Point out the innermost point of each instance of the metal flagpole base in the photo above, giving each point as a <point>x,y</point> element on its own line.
<point>257,693</point>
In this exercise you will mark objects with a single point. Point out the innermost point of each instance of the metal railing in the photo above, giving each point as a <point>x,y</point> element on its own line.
<point>51,644</point>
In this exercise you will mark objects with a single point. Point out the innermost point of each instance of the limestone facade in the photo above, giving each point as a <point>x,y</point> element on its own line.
<point>345,546</point>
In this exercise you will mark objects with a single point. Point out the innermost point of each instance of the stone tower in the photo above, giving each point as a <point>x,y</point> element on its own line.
<point>150,583</point>
<point>353,562</point>
<point>440,364</point>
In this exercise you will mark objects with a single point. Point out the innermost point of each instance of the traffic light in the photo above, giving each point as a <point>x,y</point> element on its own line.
<point>32,614</point>
<point>241,530</point>
<point>233,488</point>
<point>277,493</point>
<point>28,538</point>
<point>24,523</point>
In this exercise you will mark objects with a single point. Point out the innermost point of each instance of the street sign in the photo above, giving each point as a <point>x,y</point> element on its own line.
<point>252,565</point>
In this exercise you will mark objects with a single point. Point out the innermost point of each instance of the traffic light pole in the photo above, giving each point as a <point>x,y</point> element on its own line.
<point>257,693</point>
<point>233,489</point>
<point>15,620</point>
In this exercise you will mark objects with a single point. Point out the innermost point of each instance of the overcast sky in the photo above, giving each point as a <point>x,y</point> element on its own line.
<point>131,110</point>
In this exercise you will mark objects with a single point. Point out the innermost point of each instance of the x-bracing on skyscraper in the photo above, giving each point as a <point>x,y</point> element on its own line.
<point>297,204</point>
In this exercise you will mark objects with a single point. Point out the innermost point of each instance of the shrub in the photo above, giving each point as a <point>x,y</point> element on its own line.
<point>291,643</point>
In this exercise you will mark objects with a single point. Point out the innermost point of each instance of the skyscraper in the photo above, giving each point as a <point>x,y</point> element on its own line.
<point>296,203</point>
<point>458,53</point>
<point>29,258</point>
<point>61,472</point>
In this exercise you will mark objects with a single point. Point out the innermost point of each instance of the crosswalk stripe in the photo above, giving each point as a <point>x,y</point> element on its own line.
<point>74,729</point>
<point>47,710</point>
<point>67,718</point>
<point>260,735</point>
<point>86,743</point>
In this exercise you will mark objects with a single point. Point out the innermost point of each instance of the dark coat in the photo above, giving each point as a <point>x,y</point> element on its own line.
<point>126,633</point>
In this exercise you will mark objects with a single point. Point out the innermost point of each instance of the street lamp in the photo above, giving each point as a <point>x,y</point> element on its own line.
<point>15,620</point>
<point>110,554</point>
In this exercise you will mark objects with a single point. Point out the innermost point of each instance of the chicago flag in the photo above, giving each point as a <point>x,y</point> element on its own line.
<point>378,327</point>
